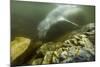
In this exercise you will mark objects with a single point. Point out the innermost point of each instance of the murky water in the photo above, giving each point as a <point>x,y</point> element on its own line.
<point>34,21</point>
<point>26,16</point>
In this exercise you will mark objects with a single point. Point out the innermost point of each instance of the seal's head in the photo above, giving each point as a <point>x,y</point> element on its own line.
<point>60,20</point>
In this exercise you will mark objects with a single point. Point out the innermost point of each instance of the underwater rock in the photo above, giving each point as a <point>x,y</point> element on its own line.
<point>20,48</point>
<point>50,46</point>
<point>45,48</point>
<point>89,30</point>
<point>60,20</point>
<point>81,52</point>
<point>84,56</point>
<point>36,61</point>
<point>78,47</point>
<point>48,57</point>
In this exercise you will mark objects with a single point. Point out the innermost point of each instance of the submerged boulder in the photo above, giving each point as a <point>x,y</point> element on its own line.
<point>19,50</point>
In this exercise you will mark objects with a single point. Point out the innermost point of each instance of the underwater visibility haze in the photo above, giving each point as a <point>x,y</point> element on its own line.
<point>49,33</point>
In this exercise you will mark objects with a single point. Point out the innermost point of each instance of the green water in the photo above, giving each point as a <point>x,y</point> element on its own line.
<point>25,16</point>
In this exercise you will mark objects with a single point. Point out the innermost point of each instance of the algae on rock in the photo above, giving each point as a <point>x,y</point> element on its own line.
<point>18,47</point>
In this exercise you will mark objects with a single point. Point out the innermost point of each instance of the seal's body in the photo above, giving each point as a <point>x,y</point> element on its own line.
<point>62,19</point>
